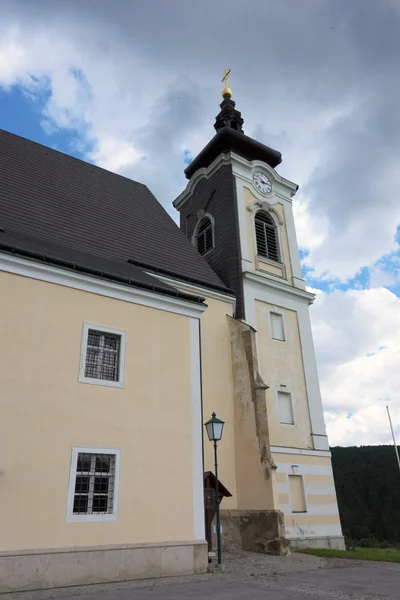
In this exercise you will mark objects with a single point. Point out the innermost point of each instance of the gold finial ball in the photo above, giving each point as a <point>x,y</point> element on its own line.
<point>226,92</point>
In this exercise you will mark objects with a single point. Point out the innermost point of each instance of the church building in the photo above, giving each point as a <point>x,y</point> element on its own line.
<point>121,333</point>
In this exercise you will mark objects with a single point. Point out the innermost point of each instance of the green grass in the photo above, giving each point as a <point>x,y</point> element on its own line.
<point>380,554</point>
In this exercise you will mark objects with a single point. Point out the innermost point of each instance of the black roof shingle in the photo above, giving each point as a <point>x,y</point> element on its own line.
<point>48,196</point>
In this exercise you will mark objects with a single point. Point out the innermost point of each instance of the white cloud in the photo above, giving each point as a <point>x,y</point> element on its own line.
<point>358,350</point>
<point>139,86</point>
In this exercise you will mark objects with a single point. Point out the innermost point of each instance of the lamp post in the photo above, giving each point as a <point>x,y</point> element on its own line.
<point>214,429</point>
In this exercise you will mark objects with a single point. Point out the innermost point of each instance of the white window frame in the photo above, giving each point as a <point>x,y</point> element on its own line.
<point>277,312</point>
<point>284,391</point>
<point>73,517</point>
<point>122,351</point>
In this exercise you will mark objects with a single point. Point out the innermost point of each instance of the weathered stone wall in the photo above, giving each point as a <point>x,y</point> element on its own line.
<point>257,525</point>
<point>255,469</point>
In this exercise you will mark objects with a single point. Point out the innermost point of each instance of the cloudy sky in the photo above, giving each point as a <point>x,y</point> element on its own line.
<point>134,86</point>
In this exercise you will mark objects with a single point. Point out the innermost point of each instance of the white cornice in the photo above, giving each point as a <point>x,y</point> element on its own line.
<point>195,289</point>
<point>283,287</point>
<point>243,168</point>
<point>301,451</point>
<point>71,279</point>
<point>222,159</point>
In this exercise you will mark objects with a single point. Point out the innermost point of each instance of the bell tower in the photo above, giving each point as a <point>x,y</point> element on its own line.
<point>237,211</point>
<point>211,194</point>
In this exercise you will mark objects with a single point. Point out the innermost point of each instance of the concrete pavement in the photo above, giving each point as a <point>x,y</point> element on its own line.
<point>253,577</point>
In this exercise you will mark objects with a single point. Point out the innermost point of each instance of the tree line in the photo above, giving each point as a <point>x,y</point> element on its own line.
<point>367,482</point>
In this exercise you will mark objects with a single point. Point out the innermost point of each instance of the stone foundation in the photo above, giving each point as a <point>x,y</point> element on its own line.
<point>333,542</point>
<point>253,530</point>
<point>55,568</point>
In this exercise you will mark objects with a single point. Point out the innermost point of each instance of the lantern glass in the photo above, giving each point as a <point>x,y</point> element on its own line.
<point>214,428</point>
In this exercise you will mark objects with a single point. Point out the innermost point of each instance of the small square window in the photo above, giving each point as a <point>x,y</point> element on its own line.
<point>285,408</point>
<point>277,327</point>
<point>103,356</point>
<point>94,478</point>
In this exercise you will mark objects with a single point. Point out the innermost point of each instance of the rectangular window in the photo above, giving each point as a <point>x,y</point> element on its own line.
<point>93,493</point>
<point>297,496</point>
<point>285,408</point>
<point>103,356</point>
<point>277,327</point>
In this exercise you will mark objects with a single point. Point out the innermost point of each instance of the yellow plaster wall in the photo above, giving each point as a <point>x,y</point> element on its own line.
<point>320,517</point>
<point>281,363</point>
<point>304,519</point>
<point>218,391</point>
<point>261,265</point>
<point>45,411</point>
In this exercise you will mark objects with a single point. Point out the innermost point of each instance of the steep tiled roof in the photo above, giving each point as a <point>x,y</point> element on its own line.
<point>49,196</point>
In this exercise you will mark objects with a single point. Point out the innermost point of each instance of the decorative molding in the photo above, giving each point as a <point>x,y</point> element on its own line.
<point>267,207</point>
<point>73,518</point>
<point>244,167</point>
<point>84,283</point>
<point>283,287</point>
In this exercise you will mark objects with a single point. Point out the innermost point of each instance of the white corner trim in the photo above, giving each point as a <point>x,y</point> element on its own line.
<point>122,352</point>
<point>71,279</point>
<point>196,290</point>
<point>197,431</point>
<point>70,516</point>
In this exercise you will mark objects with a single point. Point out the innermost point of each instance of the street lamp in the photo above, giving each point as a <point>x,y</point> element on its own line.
<point>214,429</point>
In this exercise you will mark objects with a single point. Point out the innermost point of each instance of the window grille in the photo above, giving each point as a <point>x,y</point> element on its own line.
<point>205,236</point>
<point>102,356</point>
<point>94,484</point>
<point>266,236</point>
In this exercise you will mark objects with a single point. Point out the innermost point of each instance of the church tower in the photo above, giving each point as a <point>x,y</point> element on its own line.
<point>237,211</point>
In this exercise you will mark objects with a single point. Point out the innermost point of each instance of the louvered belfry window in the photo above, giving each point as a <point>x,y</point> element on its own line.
<point>102,356</point>
<point>266,236</point>
<point>205,236</point>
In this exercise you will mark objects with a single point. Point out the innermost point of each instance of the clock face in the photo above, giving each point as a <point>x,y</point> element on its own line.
<point>262,183</point>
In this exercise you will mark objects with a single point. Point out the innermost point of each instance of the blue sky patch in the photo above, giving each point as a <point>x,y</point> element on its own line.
<point>22,114</point>
<point>187,157</point>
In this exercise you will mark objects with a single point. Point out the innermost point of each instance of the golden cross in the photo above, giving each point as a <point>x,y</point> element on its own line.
<point>225,77</point>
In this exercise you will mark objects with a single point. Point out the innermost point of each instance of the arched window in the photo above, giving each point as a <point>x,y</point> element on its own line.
<point>266,236</point>
<point>205,235</point>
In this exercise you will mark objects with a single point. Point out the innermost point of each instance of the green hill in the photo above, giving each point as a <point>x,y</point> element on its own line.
<point>368,488</point>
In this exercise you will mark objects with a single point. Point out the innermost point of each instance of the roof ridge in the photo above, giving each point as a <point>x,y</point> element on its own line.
<point>74,158</point>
